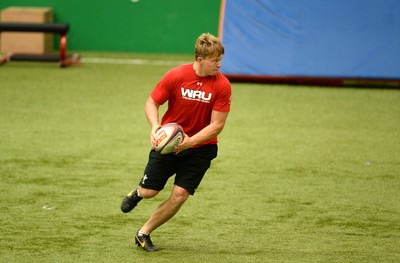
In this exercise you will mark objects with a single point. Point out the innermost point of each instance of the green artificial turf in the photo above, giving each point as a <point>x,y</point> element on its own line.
<point>304,174</point>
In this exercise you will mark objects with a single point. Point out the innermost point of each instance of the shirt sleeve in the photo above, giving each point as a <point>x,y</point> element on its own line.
<point>223,102</point>
<point>161,92</point>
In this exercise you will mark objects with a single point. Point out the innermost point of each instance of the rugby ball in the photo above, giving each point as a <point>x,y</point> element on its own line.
<point>168,137</point>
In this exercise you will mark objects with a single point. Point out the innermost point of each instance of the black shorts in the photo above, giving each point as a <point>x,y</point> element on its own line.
<point>189,167</point>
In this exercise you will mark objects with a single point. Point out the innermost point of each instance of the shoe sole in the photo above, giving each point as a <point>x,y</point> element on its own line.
<point>127,208</point>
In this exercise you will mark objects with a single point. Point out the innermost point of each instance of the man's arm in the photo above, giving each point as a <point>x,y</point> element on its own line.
<point>215,127</point>
<point>152,115</point>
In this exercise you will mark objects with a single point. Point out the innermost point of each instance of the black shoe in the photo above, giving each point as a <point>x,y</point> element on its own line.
<point>130,201</point>
<point>144,242</point>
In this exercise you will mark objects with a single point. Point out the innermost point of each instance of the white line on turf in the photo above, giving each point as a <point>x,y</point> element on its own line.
<point>132,61</point>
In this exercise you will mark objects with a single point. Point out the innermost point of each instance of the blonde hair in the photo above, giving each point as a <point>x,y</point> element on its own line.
<point>207,46</point>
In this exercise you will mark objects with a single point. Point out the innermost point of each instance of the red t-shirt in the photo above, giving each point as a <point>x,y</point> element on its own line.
<point>192,98</point>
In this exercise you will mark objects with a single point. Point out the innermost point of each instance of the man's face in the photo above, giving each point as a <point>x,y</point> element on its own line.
<point>210,66</point>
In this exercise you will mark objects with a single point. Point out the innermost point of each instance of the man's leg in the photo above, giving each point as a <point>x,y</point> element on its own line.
<point>166,210</point>
<point>161,215</point>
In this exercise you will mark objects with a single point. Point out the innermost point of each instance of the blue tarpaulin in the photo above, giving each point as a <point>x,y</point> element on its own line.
<point>312,38</point>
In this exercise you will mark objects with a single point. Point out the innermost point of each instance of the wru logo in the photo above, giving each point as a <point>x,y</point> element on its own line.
<point>196,95</point>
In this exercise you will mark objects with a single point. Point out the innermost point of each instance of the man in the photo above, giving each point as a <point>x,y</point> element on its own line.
<point>198,98</point>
